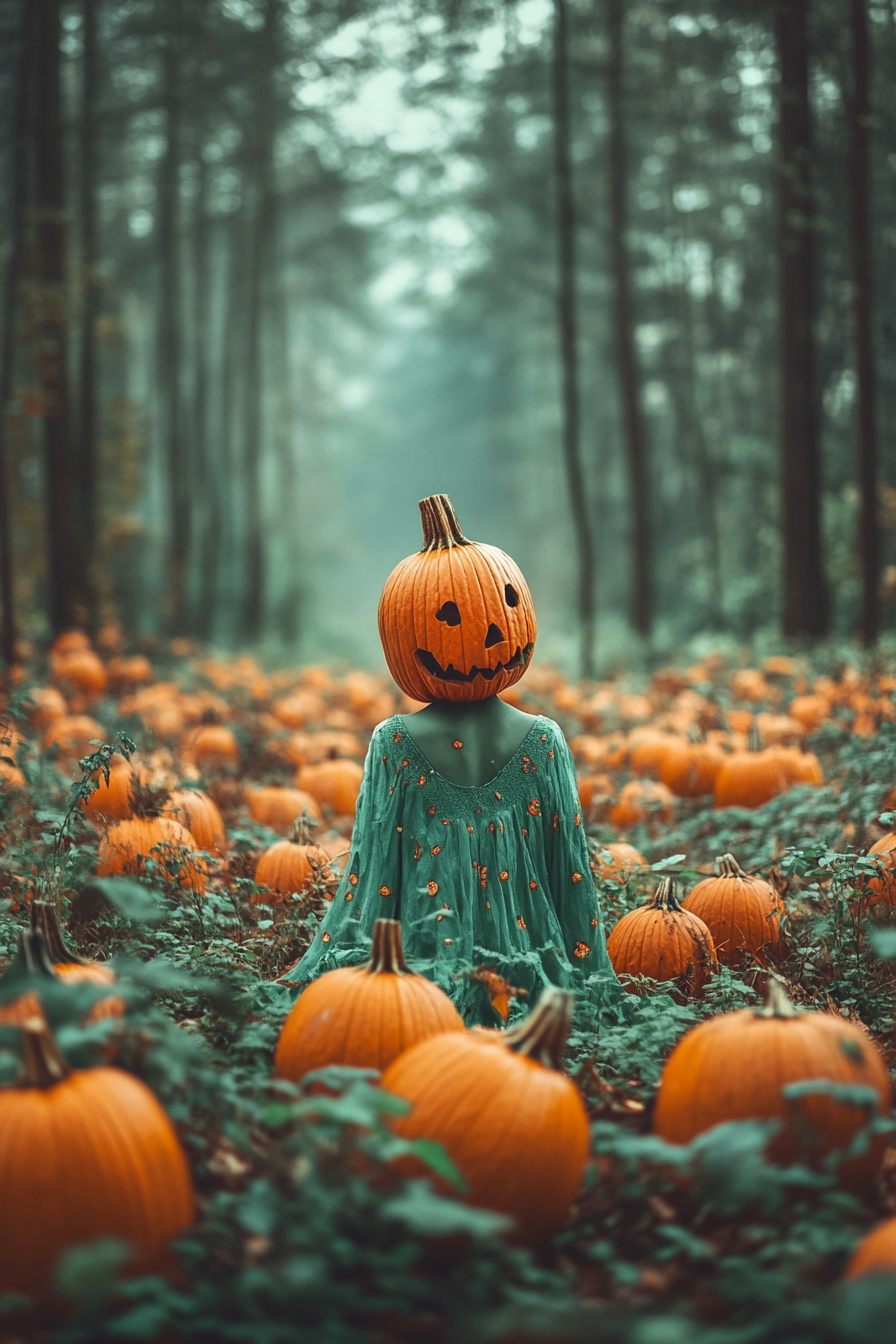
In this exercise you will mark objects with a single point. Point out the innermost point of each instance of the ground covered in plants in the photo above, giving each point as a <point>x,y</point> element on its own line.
<point>305,1230</point>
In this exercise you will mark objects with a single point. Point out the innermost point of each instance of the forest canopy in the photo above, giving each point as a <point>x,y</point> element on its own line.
<point>615,276</point>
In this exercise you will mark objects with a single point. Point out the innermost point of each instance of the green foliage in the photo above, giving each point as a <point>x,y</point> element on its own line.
<point>307,1230</point>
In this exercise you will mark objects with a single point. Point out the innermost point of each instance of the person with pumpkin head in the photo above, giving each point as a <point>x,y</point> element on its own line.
<point>468,829</point>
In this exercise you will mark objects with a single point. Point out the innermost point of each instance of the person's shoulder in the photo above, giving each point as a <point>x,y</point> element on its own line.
<point>386,731</point>
<point>551,730</point>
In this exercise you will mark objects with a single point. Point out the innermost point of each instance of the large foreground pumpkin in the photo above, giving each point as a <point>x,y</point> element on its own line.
<point>736,1067</point>
<point>364,1016</point>
<point>662,941</point>
<point>513,1124</point>
<point>84,1154</point>
<point>743,913</point>
<point>456,619</point>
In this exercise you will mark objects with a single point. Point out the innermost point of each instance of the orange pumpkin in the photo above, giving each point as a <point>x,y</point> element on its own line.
<point>810,710</point>
<point>875,1253</point>
<point>75,734</point>
<point>11,777</point>
<point>134,1184</point>
<point>649,749</point>
<point>662,941</point>
<point>800,767</point>
<point>514,1125</point>
<point>736,1067</point>
<point>80,673</point>
<point>456,620</point>
<point>127,672</point>
<point>750,778</point>
<point>623,858</point>
<point>115,798</point>
<point>195,810</point>
<point>69,641</point>
<point>290,865</point>
<point>742,913</point>
<point>335,785</point>
<point>689,769</point>
<point>278,808</point>
<point>364,1016</point>
<point>642,801</point>
<point>211,745</point>
<point>592,789</point>
<point>883,887</point>
<point>44,705</point>
<point>126,847</point>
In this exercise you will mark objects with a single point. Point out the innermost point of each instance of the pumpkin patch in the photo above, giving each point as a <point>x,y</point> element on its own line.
<point>160,929</point>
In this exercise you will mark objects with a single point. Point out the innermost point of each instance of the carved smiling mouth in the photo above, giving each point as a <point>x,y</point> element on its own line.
<point>450,673</point>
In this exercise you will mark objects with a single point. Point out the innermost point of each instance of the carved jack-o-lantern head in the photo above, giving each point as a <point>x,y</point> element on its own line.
<point>456,619</point>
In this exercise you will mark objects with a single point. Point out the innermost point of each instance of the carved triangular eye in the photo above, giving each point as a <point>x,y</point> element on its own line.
<point>448,613</point>
<point>511,596</point>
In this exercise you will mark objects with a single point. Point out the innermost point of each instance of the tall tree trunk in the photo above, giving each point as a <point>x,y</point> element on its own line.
<point>805,604</point>
<point>207,474</point>
<point>52,354</point>
<point>18,182</point>
<point>86,379</point>
<point>169,349</point>
<point>858,112</point>
<point>567,323</point>
<point>261,240</point>
<point>289,623</point>
<point>633,423</point>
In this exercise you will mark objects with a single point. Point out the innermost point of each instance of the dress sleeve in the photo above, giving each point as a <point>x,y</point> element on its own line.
<point>371,887</point>
<point>572,886</point>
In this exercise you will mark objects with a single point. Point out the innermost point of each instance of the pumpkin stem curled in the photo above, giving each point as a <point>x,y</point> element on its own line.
<point>543,1034</point>
<point>45,920</point>
<point>44,1065</point>
<point>777,1001</point>
<point>387,953</point>
<point>441,530</point>
<point>729,867</point>
<point>664,897</point>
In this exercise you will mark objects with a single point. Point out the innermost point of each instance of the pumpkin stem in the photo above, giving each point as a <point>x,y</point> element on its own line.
<point>441,530</point>
<point>303,829</point>
<point>387,953</point>
<point>31,959</point>
<point>664,897</point>
<point>543,1034</point>
<point>45,919</point>
<point>44,1065</point>
<point>754,738</point>
<point>777,1000</point>
<point>148,800</point>
<point>729,867</point>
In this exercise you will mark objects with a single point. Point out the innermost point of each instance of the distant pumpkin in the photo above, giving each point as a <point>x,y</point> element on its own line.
<point>335,785</point>
<point>660,940</point>
<point>743,913</point>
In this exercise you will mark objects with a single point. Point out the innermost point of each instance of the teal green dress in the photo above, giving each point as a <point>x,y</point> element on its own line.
<point>491,877</point>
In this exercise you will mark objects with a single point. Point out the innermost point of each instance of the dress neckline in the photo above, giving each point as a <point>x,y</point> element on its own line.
<point>468,788</point>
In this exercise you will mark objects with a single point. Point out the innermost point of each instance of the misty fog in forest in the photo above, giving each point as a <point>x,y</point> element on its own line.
<point>618,278</point>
